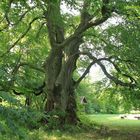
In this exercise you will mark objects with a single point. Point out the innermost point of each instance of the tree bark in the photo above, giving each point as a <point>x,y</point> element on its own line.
<point>59,68</point>
<point>61,63</point>
<point>60,85</point>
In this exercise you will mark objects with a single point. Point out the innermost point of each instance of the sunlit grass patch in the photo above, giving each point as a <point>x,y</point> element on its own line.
<point>42,134</point>
<point>115,122</point>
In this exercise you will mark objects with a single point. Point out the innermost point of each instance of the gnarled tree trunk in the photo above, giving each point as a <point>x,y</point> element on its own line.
<point>60,84</point>
<point>59,68</point>
<point>61,62</point>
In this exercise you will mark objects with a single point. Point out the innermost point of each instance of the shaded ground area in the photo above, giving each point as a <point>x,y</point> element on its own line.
<point>97,127</point>
<point>94,127</point>
<point>85,135</point>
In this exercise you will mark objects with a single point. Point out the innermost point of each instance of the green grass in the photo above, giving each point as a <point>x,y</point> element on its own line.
<point>119,129</point>
<point>42,134</point>
<point>61,135</point>
<point>115,122</point>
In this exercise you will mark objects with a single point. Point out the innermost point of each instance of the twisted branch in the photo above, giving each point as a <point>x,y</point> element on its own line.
<point>132,82</point>
<point>21,37</point>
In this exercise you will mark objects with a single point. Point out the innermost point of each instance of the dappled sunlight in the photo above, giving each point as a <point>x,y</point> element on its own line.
<point>60,135</point>
<point>130,116</point>
<point>115,122</point>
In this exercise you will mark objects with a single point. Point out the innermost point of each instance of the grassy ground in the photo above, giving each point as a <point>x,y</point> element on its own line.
<point>114,128</point>
<point>96,127</point>
<point>115,122</point>
<point>72,133</point>
<point>59,135</point>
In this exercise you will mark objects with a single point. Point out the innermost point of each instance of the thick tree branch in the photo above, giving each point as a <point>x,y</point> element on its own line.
<point>106,13</point>
<point>17,93</point>
<point>85,73</point>
<point>36,91</point>
<point>39,90</point>
<point>85,16</point>
<point>116,80</point>
<point>54,23</point>
<point>118,69</point>
<point>132,82</point>
<point>86,21</point>
<point>109,60</point>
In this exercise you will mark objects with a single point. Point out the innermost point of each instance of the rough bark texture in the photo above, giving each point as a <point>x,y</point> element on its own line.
<point>59,68</point>
<point>61,62</point>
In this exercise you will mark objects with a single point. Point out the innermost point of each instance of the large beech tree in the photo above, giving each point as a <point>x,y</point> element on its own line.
<point>42,43</point>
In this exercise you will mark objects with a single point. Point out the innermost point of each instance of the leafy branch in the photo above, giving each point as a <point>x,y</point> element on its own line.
<point>36,91</point>
<point>21,37</point>
<point>132,82</point>
<point>86,21</point>
<point>6,16</point>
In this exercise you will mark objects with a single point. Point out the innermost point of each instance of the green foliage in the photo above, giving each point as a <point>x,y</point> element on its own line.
<point>54,119</point>
<point>24,42</point>
<point>16,122</point>
<point>110,100</point>
<point>16,119</point>
<point>115,122</point>
<point>8,98</point>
